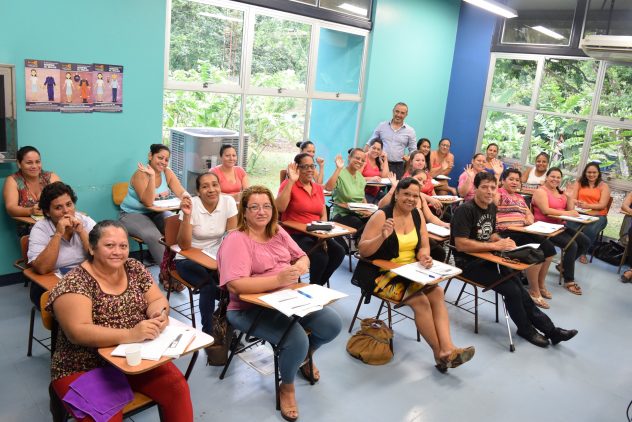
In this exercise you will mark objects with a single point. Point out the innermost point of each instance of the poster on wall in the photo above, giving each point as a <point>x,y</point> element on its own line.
<point>42,85</point>
<point>108,88</point>
<point>76,88</point>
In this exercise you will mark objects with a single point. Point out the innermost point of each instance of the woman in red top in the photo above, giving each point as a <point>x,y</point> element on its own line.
<point>593,194</point>
<point>232,178</point>
<point>301,199</point>
<point>374,170</point>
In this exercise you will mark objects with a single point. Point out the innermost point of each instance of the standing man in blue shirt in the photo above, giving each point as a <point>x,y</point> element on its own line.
<point>396,136</point>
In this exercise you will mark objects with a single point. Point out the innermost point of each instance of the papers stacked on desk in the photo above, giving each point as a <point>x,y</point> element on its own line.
<point>382,181</point>
<point>543,228</point>
<point>435,182</point>
<point>167,203</point>
<point>447,197</point>
<point>580,219</point>
<point>438,230</point>
<point>302,301</point>
<point>355,206</point>
<point>417,273</point>
<point>172,342</point>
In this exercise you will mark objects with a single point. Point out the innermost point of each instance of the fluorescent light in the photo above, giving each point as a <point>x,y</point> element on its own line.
<point>218,16</point>
<point>494,7</point>
<point>353,9</point>
<point>548,32</point>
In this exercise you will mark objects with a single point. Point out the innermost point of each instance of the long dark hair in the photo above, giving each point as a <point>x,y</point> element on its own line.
<point>25,150</point>
<point>583,180</point>
<point>378,160</point>
<point>420,142</point>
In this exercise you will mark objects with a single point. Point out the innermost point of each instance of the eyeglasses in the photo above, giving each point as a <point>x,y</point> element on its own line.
<point>257,207</point>
<point>307,166</point>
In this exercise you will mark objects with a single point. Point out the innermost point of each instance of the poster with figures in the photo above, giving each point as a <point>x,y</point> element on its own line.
<point>108,88</point>
<point>42,85</point>
<point>76,88</point>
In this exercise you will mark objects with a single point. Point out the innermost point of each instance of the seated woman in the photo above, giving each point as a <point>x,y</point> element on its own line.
<point>300,199</point>
<point>466,180</point>
<point>441,163</point>
<point>537,174</point>
<point>232,178</point>
<point>512,211</point>
<point>491,159</point>
<point>108,300</point>
<point>424,145</point>
<point>261,257</point>
<point>374,170</point>
<point>548,201</point>
<point>148,183</point>
<point>417,164</point>
<point>205,219</point>
<point>22,189</point>
<point>591,193</point>
<point>398,233</point>
<point>347,185</point>
<point>626,207</point>
<point>308,147</point>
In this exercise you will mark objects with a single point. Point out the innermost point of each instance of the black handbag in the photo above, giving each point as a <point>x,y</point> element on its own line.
<point>524,255</point>
<point>217,353</point>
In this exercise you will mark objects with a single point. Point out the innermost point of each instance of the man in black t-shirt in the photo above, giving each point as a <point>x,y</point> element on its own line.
<point>472,230</point>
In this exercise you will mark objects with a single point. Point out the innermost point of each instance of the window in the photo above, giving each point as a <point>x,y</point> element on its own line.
<point>568,86</point>
<point>513,82</point>
<point>562,138</point>
<point>507,130</point>
<point>8,121</point>
<point>616,92</point>
<point>608,18</point>
<point>540,22</point>
<point>612,148</point>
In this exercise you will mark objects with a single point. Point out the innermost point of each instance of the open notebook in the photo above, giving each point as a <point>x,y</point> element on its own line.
<point>172,342</point>
<point>302,301</point>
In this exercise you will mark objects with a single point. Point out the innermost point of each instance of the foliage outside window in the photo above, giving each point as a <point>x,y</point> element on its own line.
<point>612,148</point>
<point>561,138</point>
<point>616,94</point>
<point>507,130</point>
<point>513,81</point>
<point>568,86</point>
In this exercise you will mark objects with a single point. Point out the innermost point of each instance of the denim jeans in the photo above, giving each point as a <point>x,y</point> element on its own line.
<point>206,281</point>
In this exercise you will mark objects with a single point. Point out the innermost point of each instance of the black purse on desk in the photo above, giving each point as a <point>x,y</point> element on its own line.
<point>524,255</point>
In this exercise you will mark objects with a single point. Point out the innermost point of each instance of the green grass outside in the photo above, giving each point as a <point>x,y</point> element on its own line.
<point>266,171</point>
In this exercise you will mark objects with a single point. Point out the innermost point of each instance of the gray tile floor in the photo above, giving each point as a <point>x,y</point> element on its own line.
<point>586,379</point>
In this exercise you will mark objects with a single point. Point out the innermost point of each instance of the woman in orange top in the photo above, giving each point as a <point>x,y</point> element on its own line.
<point>592,194</point>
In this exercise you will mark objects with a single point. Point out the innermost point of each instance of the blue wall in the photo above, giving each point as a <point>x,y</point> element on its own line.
<point>89,151</point>
<point>467,84</point>
<point>410,60</point>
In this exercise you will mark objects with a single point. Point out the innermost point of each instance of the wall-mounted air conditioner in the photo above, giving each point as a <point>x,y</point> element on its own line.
<point>194,150</point>
<point>615,48</point>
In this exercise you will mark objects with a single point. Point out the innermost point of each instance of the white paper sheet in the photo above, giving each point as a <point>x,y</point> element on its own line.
<point>156,348</point>
<point>438,230</point>
<point>543,227</point>
<point>167,203</point>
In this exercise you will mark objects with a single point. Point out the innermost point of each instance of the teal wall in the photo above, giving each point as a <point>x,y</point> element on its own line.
<point>410,60</point>
<point>89,151</point>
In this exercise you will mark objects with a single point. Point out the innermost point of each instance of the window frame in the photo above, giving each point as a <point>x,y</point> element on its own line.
<point>8,71</point>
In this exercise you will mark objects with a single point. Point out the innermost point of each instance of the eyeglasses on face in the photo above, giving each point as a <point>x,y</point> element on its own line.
<point>257,207</point>
<point>307,166</point>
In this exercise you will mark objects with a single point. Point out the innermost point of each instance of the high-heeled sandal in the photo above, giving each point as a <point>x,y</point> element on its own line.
<point>540,302</point>
<point>285,410</point>
<point>546,294</point>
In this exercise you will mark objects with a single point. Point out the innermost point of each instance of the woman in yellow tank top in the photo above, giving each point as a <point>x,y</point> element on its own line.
<point>593,195</point>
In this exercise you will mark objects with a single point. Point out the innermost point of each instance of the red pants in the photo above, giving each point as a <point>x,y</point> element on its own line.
<point>165,385</point>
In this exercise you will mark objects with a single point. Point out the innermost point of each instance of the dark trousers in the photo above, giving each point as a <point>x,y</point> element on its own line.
<point>397,167</point>
<point>525,238</point>
<point>579,247</point>
<point>351,220</point>
<point>524,313</point>
<point>436,251</point>
<point>321,264</point>
<point>114,94</point>
<point>206,281</point>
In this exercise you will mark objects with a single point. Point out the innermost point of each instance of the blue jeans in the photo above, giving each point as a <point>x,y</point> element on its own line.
<point>321,264</point>
<point>591,230</point>
<point>324,326</point>
<point>206,281</point>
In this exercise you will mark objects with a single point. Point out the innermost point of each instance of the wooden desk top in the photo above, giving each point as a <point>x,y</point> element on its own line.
<point>488,256</point>
<point>522,229</point>
<point>45,281</point>
<point>254,297</point>
<point>200,341</point>
<point>446,201</point>
<point>584,222</point>
<point>302,227</point>
<point>196,255</point>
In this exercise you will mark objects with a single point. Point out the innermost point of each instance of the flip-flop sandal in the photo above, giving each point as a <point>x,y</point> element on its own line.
<point>546,294</point>
<point>459,356</point>
<point>583,260</point>
<point>540,302</point>
<point>573,288</point>
<point>625,279</point>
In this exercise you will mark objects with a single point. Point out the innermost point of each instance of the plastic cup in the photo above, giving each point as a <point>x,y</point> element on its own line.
<point>132,354</point>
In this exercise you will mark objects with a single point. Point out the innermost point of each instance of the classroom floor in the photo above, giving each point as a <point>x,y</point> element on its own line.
<point>586,379</point>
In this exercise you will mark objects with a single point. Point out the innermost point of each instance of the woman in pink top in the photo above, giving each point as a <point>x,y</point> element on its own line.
<point>232,178</point>
<point>549,201</point>
<point>592,194</point>
<point>261,257</point>
<point>466,179</point>
<point>374,170</point>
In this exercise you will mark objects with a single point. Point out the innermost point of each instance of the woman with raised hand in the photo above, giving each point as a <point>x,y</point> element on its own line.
<point>492,162</point>
<point>232,178</point>
<point>23,188</point>
<point>591,193</point>
<point>466,180</point>
<point>375,169</point>
<point>397,233</point>
<point>548,202</point>
<point>151,181</point>
<point>301,199</point>
<point>308,147</point>
<point>261,257</point>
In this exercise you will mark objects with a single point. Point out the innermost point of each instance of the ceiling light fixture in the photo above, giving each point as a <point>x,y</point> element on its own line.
<point>494,7</point>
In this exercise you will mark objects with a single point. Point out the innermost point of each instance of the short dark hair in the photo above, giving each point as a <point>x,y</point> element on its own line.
<point>25,150</point>
<point>53,191</point>
<point>445,139</point>
<point>97,231</point>
<point>299,157</point>
<point>350,151</point>
<point>509,171</point>
<point>543,154</point>
<point>198,179</point>
<point>476,155</point>
<point>404,184</point>
<point>224,148</point>
<point>492,144</point>
<point>482,176</point>
<point>400,104</point>
<point>304,144</point>
<point>156,148</point>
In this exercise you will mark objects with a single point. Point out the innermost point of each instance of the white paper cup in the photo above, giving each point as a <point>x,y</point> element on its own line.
<point>132,354</point>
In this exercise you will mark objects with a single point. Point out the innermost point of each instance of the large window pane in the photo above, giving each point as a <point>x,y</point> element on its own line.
<point>205,43</point>
<point>200,109</point>
<point>508,131</point>
<point>609,18</point>
<point>280,53</point>
<point>612,148</point>
<point>274,126</point>
<point>616,94</point>
<point>513,82</point>
<point>568,86</point>
<point>339,61</point>
<point>561,138</point>
<point>540,22</point>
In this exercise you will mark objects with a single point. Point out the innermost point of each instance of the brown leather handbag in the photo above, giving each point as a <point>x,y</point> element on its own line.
<point>372,344</point>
